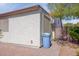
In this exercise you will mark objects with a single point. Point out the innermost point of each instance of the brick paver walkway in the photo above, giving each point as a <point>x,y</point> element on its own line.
<point>15,50</point>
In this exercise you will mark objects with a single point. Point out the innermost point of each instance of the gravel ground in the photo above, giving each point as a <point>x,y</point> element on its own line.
<point>15,50</point>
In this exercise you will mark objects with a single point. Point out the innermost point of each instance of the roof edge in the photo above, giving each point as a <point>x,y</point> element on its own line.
<point>24,10</point>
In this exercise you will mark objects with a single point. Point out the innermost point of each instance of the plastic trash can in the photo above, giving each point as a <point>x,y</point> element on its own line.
<point>46,40</point>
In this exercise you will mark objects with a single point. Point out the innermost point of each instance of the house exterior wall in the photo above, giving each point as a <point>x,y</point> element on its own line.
<point>46,25</point>
<point>23,30</point>
<point>4,25</point>
<point>27,28</point>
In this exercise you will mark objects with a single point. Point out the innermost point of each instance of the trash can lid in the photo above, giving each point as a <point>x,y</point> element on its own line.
<point>46,34</point>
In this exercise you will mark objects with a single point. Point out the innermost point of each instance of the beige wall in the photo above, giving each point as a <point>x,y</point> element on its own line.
<point>27,29</point>
<point>24,30</point>
<point>46,25</point>
<point>4,25</point>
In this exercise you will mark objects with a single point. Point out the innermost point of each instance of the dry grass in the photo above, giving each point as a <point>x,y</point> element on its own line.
<point>77,52</point>
<point>74,46</point>
<point>67,51</point>
<point>54,39</point>
<point>70,48</point>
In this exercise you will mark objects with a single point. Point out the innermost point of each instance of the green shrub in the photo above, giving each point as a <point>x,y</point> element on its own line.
<point>73,31</point>
<point>74,34</point>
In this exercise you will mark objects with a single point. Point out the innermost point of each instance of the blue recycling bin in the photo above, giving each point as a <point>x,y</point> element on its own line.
<point>46,40</point>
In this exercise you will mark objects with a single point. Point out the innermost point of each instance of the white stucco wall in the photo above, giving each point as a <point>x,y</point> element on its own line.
<point>23,30</point>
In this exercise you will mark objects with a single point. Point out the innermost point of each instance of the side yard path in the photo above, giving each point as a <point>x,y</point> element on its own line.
<point>67,49</point>
<point>15,50</point>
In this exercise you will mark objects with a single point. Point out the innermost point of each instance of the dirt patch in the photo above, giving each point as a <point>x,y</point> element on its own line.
<point>68,49</point>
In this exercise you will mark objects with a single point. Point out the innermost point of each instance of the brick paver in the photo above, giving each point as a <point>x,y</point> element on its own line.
<point>15,50</point>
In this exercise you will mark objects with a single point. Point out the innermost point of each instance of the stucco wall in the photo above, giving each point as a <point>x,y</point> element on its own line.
<point>24,30</point>
<point>4,25</point>
<point>46,25</point>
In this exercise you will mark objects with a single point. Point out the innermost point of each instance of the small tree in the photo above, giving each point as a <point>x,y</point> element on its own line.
<point>57,13</point>
<point>63,10</point>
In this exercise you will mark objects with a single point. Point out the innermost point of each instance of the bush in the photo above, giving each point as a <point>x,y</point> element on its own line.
<point>74,33</point>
